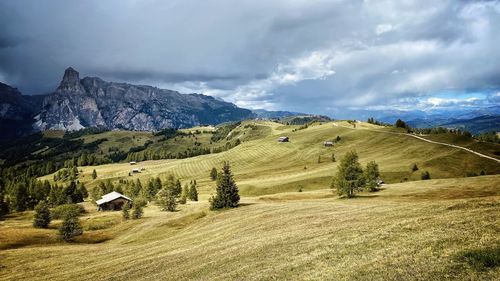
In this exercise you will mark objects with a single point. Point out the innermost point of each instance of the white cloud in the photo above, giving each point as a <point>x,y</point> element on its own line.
<point>383,28</point>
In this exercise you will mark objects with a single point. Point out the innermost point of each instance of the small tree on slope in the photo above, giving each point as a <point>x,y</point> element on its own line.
<point>42,215</point>
<point>227,192</point>
<point>70,226</point>
<point>349,177</point>
<point>193,192</point>
<point>371,175</point>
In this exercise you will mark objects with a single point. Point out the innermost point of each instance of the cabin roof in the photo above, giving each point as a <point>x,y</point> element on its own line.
<point>110,197</point>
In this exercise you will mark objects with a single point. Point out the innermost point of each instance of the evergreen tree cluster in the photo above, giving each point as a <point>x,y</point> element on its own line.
<point>25,193</point>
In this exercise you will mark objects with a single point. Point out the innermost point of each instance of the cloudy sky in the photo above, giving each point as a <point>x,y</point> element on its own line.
<point>301,55</point>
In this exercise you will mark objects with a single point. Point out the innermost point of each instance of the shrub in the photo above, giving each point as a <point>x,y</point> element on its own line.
<point>42,215</point>
<point>60,211</point>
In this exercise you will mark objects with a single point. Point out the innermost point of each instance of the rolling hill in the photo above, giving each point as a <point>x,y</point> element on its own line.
<point>264,166</point>
<point>443,228</point>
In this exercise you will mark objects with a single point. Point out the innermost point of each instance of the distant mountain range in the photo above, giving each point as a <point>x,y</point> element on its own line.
<point>476,120</point>
<point>266,114</point>
<point>92,102</point>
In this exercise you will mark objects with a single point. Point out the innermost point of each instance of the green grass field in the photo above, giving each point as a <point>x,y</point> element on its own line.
<point>444,228</point>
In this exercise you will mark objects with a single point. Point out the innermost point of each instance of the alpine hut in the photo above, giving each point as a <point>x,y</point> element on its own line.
<point>112,201</point>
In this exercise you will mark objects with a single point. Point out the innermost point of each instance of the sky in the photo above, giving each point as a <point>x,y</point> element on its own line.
<point>309,56</point>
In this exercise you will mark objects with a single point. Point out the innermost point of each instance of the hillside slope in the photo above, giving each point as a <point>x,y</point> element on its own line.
<point>426,230</point>
<point>264,166</point>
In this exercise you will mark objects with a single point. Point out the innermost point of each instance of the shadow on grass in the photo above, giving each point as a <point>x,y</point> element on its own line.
<point>481,259</point>
<point>245,204</point>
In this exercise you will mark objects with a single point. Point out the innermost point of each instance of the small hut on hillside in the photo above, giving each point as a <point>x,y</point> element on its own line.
<point>328,143</point>
<point>133,162</point>
<point>112,201</point>
<point>283,139</point>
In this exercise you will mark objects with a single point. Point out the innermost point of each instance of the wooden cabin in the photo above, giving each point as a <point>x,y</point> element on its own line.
<point>328,143</point>
<point>112,201</point>
<point>135,171</point>
<point>133,162</point>
<point>283,139</point>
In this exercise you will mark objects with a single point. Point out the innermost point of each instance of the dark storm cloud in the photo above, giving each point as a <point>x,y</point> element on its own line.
<point>303,55</point>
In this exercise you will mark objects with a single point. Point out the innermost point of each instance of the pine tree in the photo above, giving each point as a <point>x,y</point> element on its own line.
<point>42,215</point>
<point>126,211</point>
<point>333,157</point>
<point>70,227</point>
<point>21,197</point>
<point>213,174</point>
<point>193,192</point>
<point>426,175</point>
<point>94,174</point>
<point>227,192</point>
<point>137,212</point>
<point>414,167</point>
<point>372,175</point>
<point>349,177</point>
<point>166,199</point>
<point>185,193</point>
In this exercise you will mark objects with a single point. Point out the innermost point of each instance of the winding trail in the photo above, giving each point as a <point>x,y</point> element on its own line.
<point>426,140</point>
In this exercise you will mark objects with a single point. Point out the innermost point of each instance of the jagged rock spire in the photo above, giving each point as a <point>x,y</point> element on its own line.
<point>70,81</point>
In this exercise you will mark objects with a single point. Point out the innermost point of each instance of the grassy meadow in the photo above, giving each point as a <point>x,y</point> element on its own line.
<point>426,230</point>
<point>446,228</point>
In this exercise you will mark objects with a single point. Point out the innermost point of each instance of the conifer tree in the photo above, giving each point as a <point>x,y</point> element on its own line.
<point>227,191</point>
<point>166,199</point>
<point>137,212</point>
<point>193,192</point>
<point>349,177</point>
<point>70,227</point>
<point>372,175</point>
<point>42,215</point>
<point>333,157</point>
<point>185,193</point>
<point>213,174</point>
<point>414,167</point>
<point>126,211</point>
<point>94,174</point>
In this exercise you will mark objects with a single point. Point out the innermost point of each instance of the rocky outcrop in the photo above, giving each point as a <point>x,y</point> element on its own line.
<point>16,113</point>
<point>93,102</point>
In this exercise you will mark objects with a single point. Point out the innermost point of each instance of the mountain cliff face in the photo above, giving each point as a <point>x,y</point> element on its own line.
<point>92,102</point>
<point>16,112</point>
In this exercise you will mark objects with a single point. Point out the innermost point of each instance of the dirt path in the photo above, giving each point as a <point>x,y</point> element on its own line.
<point>426,140</point>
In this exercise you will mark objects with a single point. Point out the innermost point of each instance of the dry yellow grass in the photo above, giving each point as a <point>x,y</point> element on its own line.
<point>407,231</point>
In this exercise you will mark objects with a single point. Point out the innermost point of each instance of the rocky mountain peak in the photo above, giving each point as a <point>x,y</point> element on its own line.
<point>70,81</point>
